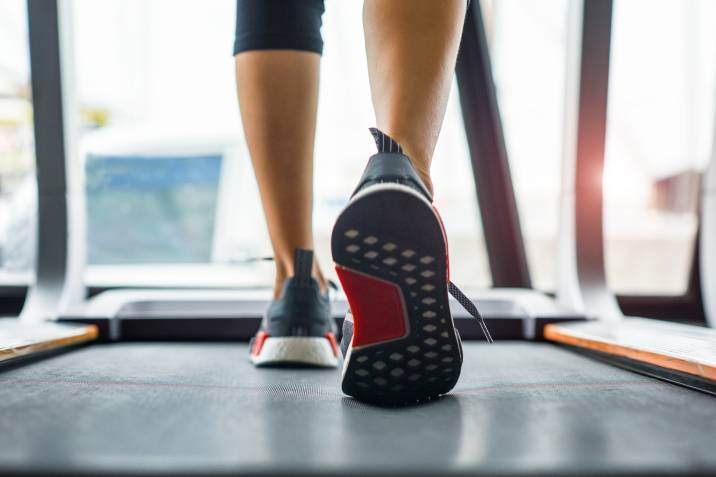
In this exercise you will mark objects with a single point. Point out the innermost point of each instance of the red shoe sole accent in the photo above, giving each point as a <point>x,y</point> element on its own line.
<point>377,307</point>
<point>259,341</point>
<point>334,344</point>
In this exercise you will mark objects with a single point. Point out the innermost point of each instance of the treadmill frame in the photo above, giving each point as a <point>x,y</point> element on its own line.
<point>58,287</point>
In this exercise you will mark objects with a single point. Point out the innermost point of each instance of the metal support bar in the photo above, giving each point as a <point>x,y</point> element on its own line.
<point>61,234</point>
<point>490,166</point>
<point>582,281</point>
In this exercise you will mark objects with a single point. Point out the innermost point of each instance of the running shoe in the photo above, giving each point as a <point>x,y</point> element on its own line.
<point>297,328</point>
<point>389,246</point>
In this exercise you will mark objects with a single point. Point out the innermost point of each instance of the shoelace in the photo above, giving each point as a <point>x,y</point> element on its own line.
<point>470,307</point>
<point>461,298</point>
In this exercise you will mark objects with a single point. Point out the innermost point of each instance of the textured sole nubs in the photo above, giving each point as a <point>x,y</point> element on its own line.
<point>390,254</point>
<point>295,351</point>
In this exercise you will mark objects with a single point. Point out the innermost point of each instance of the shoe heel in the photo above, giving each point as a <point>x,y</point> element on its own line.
<point>389,251</point>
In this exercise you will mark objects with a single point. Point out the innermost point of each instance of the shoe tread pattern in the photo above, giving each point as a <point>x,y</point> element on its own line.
<point>394,236</point>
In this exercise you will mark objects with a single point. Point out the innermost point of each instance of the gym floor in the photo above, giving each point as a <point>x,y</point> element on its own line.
<point>198,408</point>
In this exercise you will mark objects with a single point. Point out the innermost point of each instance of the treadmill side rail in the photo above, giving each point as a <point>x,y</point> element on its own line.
<point>659,345</point>
<point>22,339</point>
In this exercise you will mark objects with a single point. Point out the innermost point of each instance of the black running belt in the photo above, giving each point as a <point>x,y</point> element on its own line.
<point>198,408</point>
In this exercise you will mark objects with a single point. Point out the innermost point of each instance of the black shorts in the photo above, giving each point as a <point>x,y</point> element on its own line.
<point>278,25</point>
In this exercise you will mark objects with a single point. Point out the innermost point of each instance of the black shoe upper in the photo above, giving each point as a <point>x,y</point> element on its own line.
<point>391,165</point>
<point>301,310</point>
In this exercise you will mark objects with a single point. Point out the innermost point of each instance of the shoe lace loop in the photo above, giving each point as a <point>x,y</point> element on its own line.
<point>470,307</point>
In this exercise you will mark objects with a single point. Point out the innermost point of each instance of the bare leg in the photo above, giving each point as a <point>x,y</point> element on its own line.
<point>412,47</point>
<point>278,95</point>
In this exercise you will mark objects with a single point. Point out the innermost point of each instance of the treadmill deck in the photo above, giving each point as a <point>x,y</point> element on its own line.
<point>519,408</point>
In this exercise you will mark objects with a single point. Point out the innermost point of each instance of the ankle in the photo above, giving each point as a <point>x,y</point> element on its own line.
<point>279,279</point>
<point>425,177</point>
<point>418,155</point>
<point>320,278</point>
<point>423,170</point>
<point>285,271</point>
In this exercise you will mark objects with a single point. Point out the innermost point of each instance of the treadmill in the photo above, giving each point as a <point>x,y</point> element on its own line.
<point>158,382</point>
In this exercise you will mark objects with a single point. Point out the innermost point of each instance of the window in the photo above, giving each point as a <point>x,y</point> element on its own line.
<point>18,199</point>
<point>528,51</point>
<point>659,132</point>
<point>659,135</point>
<point>168,178</point>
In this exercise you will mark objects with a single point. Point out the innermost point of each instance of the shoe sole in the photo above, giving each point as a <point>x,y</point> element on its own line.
<point>296,351</point>
<point>390,254</point>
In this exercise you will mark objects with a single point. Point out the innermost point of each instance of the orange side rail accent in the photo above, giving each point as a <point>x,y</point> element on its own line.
<point>554,332</point>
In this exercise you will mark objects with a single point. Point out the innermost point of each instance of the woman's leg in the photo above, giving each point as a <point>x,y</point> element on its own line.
<point>388,243</point>
<point>278,94</point>
<point>278,49</point>
<point>412,47</point>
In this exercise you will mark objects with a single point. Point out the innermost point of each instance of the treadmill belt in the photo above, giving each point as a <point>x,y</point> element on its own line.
<point>520,408</point>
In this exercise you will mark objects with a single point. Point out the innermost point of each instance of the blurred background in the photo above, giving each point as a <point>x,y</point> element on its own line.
<point>170,195</point>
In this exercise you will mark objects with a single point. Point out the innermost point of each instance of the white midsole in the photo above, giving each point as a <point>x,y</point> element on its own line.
<point>317,351</point>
